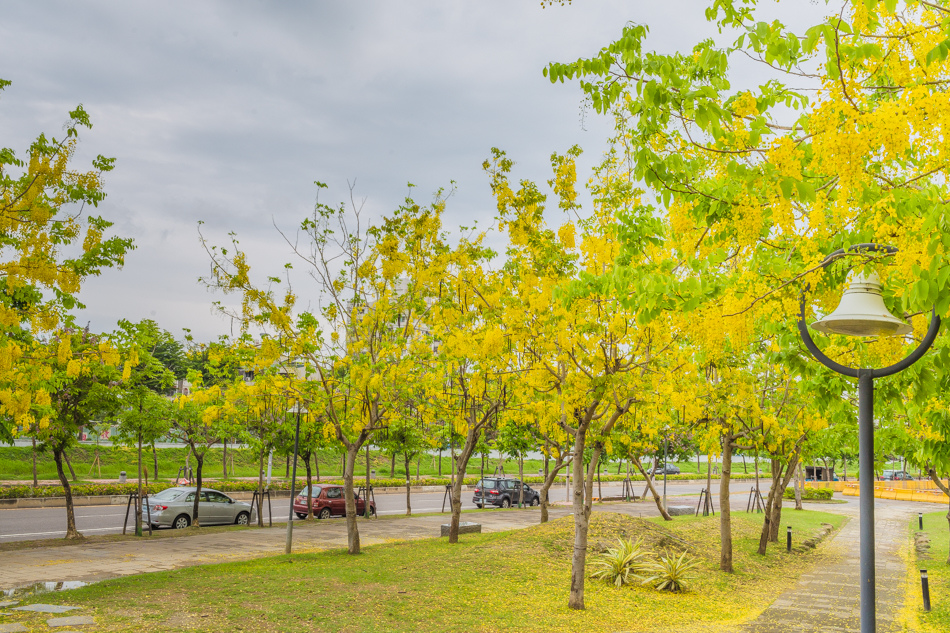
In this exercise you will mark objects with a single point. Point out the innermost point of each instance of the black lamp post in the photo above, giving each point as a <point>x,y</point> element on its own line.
<point>862,313</point>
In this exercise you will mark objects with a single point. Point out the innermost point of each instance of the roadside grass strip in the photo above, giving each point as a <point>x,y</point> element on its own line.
<point>507,581</point>
<point>938,572</point>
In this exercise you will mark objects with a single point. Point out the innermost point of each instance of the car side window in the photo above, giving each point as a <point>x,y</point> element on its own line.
<point>334,493</point>
<point>190,497</point>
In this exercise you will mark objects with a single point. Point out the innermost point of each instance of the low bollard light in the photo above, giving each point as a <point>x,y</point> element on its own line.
<point>788,546</point>
<point>925,588</point>
<point>920,520</point>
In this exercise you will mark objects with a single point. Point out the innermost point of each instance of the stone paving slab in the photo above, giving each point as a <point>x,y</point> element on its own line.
<point>8,603</point>
<point>46,608</point>
<point>12,627</point>
<point>73,620</point>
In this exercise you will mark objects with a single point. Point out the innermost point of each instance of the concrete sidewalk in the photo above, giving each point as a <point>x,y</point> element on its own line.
<point>827,597</point>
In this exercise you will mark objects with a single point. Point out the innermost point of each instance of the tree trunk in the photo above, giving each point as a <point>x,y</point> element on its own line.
<point>287,469</point>
<point>316,464</point>
<point>799,484</point>
<point>392,466</point>
<point>155,463</point>
<point>549,478</point>
<point>767,520</point>
<point>698,467</point>
<point>725,511</point>
<point>600,490</point>
<point>521,479</point>
<point>460,465</point>
<point>773,505</point>
<point>776,518</point>
<point>35,480</point>
<point>260,490</point>
<point>757,488</point>
<point>306,463</point>
<point>224,458</point>
<point>138,502</point>
<point>652,488</point>
<point>201,460</point>
<point>440,462</point>
<point>368,481</point>
<point>581,523</point>
<point>352,529</point>
<point>408,484</point>
<point>71,531</point>
<point>68,464</point>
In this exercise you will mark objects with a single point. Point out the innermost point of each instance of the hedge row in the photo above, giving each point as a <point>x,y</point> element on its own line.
<point>237,485</point>
<point>810,493</point>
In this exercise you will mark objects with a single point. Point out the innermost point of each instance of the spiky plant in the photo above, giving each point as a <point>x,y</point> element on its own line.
<point>621,565</point>
<point>671,573</point>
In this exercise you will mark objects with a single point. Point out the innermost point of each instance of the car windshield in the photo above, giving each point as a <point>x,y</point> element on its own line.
<point>167,495</point>
<point>488,484</point>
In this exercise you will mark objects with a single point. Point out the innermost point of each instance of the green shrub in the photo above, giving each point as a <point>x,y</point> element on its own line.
<point>621,565</point>
<point>671,573</point>
<point>810,493</point>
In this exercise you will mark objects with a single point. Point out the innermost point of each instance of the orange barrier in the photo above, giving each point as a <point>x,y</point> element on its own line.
<point>929,496</point>
<point>839,486</point>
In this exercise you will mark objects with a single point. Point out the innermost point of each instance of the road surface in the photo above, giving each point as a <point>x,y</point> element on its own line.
<point>45,523</point>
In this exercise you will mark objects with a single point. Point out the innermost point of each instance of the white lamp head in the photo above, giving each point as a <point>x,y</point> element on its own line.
<point>862,312</point>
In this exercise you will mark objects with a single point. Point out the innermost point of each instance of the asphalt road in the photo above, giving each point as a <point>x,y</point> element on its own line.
<point>44,523</point>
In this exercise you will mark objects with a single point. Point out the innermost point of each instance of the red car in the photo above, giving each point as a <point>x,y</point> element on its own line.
<point>328,500</point>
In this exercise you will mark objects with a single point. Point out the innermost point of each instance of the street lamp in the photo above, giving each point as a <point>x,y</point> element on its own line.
<point>293,480</point>
<point>862,313</point>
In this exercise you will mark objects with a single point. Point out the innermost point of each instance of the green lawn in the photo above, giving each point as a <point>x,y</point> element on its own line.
<point>938,620</point>
<point>17,463</point>
<point>513,581</point>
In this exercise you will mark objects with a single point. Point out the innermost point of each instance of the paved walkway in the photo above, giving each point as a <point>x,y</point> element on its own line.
<point>88,562</point>
<point>827,597</point>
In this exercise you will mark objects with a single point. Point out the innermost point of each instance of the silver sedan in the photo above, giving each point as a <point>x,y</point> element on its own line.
<point>173,507</point>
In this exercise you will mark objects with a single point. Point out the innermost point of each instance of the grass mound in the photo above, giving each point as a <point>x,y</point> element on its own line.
<point>557,537</point>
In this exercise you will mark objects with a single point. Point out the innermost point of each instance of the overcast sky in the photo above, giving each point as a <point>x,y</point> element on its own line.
<point>226,112</point>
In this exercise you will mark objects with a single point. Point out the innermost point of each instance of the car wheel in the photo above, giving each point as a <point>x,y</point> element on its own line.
<point>505,503</point>
<point>181,522</point>
<point>301,515</point>
<point>479,506</point>
<point>535,502</point>
<point>154,527</point>
<point>324,514</point>
<point>243,518</point>
<point>372,511</point>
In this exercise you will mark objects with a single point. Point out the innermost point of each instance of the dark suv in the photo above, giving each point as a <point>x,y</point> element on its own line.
<point>504,493</point>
